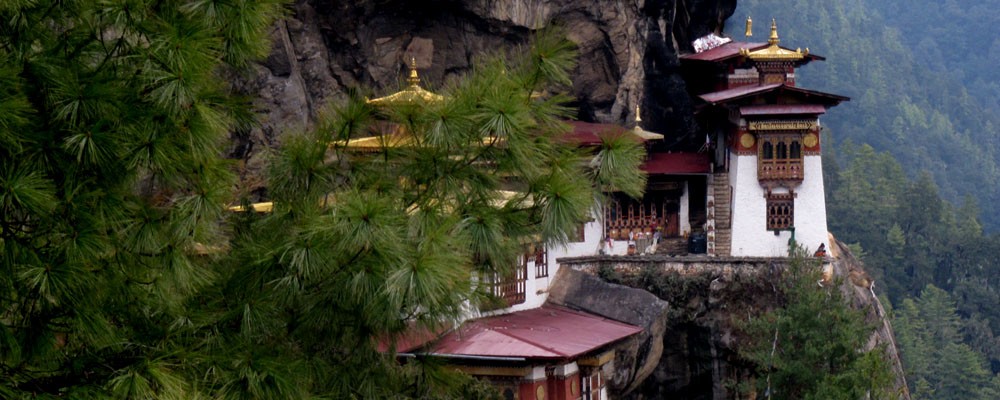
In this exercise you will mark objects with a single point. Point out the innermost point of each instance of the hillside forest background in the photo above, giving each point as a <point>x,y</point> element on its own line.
<point>911,167</point>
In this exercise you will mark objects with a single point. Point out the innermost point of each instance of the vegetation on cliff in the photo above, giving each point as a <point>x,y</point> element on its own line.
<point>810,345</point>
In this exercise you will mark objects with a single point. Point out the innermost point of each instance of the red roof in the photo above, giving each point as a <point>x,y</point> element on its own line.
<point>782,109</point>
<point>589,134</point>
<point>731,50</point>
<point>677,163</point>
<point>547,332</point>
<point>747,91</point>
<point>728,50</point>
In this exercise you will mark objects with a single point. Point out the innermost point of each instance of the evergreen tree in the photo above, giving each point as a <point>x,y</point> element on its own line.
<point>123,277</point>
<point>112,121</point>
<point>812,345</point>
<point>938,365</point>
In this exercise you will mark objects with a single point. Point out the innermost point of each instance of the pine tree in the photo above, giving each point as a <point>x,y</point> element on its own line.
<point>124,277</point>
<point>112,121</point>
<point>812,345</point>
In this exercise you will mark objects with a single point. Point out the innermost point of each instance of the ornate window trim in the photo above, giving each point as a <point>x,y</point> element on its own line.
<point>780,211</point>
<point>780,157</point>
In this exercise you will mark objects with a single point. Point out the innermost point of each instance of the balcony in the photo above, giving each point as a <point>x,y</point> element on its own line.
<point>780,170</point>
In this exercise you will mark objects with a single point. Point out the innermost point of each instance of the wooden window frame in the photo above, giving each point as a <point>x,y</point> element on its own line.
<point>541,257</point>
<point>780,157</point>
<point>780,211</point>
<point>512,288</point>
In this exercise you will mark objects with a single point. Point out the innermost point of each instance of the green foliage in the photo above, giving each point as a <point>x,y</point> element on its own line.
<point>112,121</point>
<point>938,365</point>
<point>812,346</point>
<point>914,239</point>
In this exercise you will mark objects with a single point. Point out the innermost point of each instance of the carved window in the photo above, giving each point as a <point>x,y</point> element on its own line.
<point>780,157</point>
<point>780,211</point>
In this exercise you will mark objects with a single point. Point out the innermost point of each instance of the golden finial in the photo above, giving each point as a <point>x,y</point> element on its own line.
<point>749,27</point>
<point>414,79</point>
<point>638,118</point>
<point>774,33</point>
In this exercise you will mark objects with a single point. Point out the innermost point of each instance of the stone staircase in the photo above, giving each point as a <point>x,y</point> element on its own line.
<point>722,213</point>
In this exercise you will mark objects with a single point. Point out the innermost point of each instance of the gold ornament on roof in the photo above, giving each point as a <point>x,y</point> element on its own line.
<point>642,133</point>
<point>773,52</point>
<point>411,94</point>
<point>749,32</point>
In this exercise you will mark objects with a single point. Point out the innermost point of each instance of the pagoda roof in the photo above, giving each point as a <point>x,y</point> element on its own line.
<point>724,52</point>
<point>547,332</point>
<point>742,92</point>
<point>733,50</point>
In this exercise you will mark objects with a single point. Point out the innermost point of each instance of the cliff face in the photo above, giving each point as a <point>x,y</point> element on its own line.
<point>628,54</point>
<point>690,346</point>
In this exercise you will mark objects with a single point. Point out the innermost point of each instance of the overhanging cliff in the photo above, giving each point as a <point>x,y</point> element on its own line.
<point>628,54</point>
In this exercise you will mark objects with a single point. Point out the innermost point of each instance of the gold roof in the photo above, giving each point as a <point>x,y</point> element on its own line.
<point>411,94</point>
<point>642,133</point>
<point>774,52</point>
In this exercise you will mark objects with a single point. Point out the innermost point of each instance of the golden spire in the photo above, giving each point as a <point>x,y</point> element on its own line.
<point>773,52</point>
<point>642,133</point>
<point>411,93</point>
<point>414,80</point>
<point>774,33</point>
<point>749,27</point>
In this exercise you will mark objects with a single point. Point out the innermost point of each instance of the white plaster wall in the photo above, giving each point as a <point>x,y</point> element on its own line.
<point>537,288</point>
<point>749,229</point>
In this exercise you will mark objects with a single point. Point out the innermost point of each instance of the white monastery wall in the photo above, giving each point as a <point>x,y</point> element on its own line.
<point>749,228</point>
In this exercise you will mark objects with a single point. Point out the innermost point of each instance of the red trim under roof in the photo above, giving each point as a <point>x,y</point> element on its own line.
<point>547,332</point>
<point>677,164</point>
<point>782,109</point>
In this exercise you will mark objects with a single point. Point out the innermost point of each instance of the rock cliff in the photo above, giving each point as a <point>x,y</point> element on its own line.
<point>689,349</point>
<point>628,54</point>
